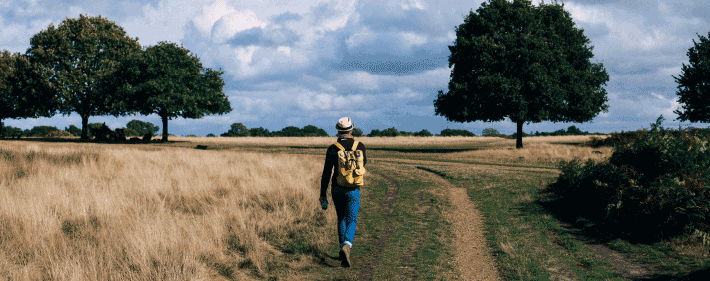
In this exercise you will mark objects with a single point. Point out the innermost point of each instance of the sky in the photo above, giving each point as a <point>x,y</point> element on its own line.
<point>379,62</point>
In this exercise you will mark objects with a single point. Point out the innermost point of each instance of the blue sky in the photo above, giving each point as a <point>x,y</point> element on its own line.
<point>379,62</point>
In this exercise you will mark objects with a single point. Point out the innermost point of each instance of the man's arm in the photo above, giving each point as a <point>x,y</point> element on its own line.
<point>327,172</point>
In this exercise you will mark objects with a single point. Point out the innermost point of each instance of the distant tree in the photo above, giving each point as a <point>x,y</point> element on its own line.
<point>423,133</point>
<point>11,131</point>
<point>166,80</point>
<point>313,131</point>
<point>74,130</point>
<point>357,132</point>
<point>375,133</point>
<point>259,132</point>
<point>405,134</point>
<point>572,130</point>
<point>237,130</point>
<point>291,131</point>
<point>94,128</point>
<point>131,133</point>
<point>490,132</point>
<point>42,131</point>
<point>694,83</point>
<point>389,132</point>
<point>528,63</point>
<point>142,128</point>
<point>24,89</point>
<point>211,135</point>
<point>456,132</point>
<point>84,54</point>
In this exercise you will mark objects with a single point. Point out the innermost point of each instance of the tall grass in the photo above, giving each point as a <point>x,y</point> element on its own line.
<point>97,212</point>
<point>325,141</point>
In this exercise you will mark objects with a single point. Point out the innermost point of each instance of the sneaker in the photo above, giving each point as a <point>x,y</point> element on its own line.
<point>345,256</point>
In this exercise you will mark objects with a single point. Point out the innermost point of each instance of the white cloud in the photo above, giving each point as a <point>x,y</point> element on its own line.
<point>230,24</point>
<point>359,80</point>
<point>676,71</point>
<point>407,93</point>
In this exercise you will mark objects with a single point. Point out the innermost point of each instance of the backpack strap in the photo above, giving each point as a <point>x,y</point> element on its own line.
<point>355,143</point>
<point>339,146</point>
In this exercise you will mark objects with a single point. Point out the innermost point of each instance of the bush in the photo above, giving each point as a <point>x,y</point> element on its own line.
<point>42,131</point>
<point>374,133</point>
<point>211,135</point>
<point>462,132</point>
<point>74,130</point>
<point>425,133</point>
<point>142,128</point>
<point>131,133</point>
<point>59,134</point>
<point>237,130</point>
<point>651,188</point>
<point>10,131</point>
<point>191,136</point>
<point>490,132</point>
<point>357,132</point>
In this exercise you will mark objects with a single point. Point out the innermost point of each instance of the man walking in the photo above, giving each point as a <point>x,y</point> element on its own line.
<point>348,158</point>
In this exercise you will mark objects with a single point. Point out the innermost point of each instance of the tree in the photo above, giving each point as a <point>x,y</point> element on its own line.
<point>166,80</point>
<point>259,132</point>
<point>357,132</point>
<point>291,131</point>
<point>84,55</point>
<point>24,89</point>
<point>573,130</point>
<point>41,131</point>
<point>694,83</point>
<point>375,133</point>
<point>313,131</point>
<point>211,135</point>
<point>74,130</point>
<point>423,133</point>
<point>237,130</point>
<point>527,63</point>
<point>142,128</point>
<point>453,132</point>
<point>389,132</point>
<point>490,132</point>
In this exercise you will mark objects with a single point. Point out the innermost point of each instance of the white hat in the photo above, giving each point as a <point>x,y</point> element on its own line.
<point>345,124</point>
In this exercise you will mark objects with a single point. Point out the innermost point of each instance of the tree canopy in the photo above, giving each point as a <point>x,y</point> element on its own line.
<point>83,55</point>
<point>142,128</point>
<point>166,80</point>
<point>694,83</point>
<point>527,63</point>
<point>21,89</point>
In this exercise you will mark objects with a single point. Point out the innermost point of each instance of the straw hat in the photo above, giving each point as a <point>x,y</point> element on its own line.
<point>345,125</point>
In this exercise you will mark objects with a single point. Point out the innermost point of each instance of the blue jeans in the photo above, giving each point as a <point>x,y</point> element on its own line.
<point>347,204</point>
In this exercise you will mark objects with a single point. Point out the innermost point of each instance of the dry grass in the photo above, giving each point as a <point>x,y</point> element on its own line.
<point>96,212</point>
<point>325,141</point>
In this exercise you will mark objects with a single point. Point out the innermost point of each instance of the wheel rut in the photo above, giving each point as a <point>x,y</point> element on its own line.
<point>384,236</point>
<point>472,255</point>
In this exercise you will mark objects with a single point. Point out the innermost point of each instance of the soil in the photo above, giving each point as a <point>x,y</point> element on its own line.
<point>472,255</point>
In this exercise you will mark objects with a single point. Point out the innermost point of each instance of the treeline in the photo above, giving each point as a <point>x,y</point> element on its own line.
<point>239,130</point>
<point>134,128</point>
<point>571,131</point>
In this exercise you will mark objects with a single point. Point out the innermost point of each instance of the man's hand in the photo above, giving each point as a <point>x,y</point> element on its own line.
<point>323,199</point>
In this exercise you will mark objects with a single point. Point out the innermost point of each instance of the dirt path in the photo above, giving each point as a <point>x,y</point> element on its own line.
<point>472,256</point>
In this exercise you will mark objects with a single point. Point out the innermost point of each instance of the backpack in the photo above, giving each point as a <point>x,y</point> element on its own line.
<point>351,169</point>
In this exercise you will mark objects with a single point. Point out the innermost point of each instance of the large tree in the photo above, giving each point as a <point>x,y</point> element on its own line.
<point>694,83</point>
<point>528,63</point>
<point>84,54</point>
<point>166,80</point>
<point>24,89</point>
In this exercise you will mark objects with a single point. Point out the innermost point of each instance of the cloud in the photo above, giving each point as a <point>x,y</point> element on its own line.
<point>229,25</point>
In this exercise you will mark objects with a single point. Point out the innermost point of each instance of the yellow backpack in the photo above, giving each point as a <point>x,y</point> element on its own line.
<point>351,169</point>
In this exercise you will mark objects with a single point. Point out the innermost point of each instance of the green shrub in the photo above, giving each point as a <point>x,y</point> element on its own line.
<point>455,132</point>
<point>652,187</point>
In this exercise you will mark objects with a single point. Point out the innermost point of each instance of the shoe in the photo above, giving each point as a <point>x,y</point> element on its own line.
<point>345,256</point>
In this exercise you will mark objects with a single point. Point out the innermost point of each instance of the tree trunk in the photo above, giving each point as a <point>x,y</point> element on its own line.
<point>84,126</point>
<point>164,116</point>
<point>2,136</point>
<point>519,138</point>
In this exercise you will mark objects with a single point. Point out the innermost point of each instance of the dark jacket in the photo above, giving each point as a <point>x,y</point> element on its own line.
<point>331,160</point>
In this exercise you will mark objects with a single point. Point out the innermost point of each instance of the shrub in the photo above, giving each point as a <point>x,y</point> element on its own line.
<point>424,133</point>
<point>59,134</point>
<point>490,132</point>
<point>375,133</point>
<point>41,131</point>
<point>74,130</point>
<point>357,132</point>
<point>142,128</point>
<point>191,136</point>
<point>651,188</point>
<point>211,135</point>
<point>462,132</point>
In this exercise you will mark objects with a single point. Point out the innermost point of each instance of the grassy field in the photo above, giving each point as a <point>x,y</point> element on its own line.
<point>246,208</point>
